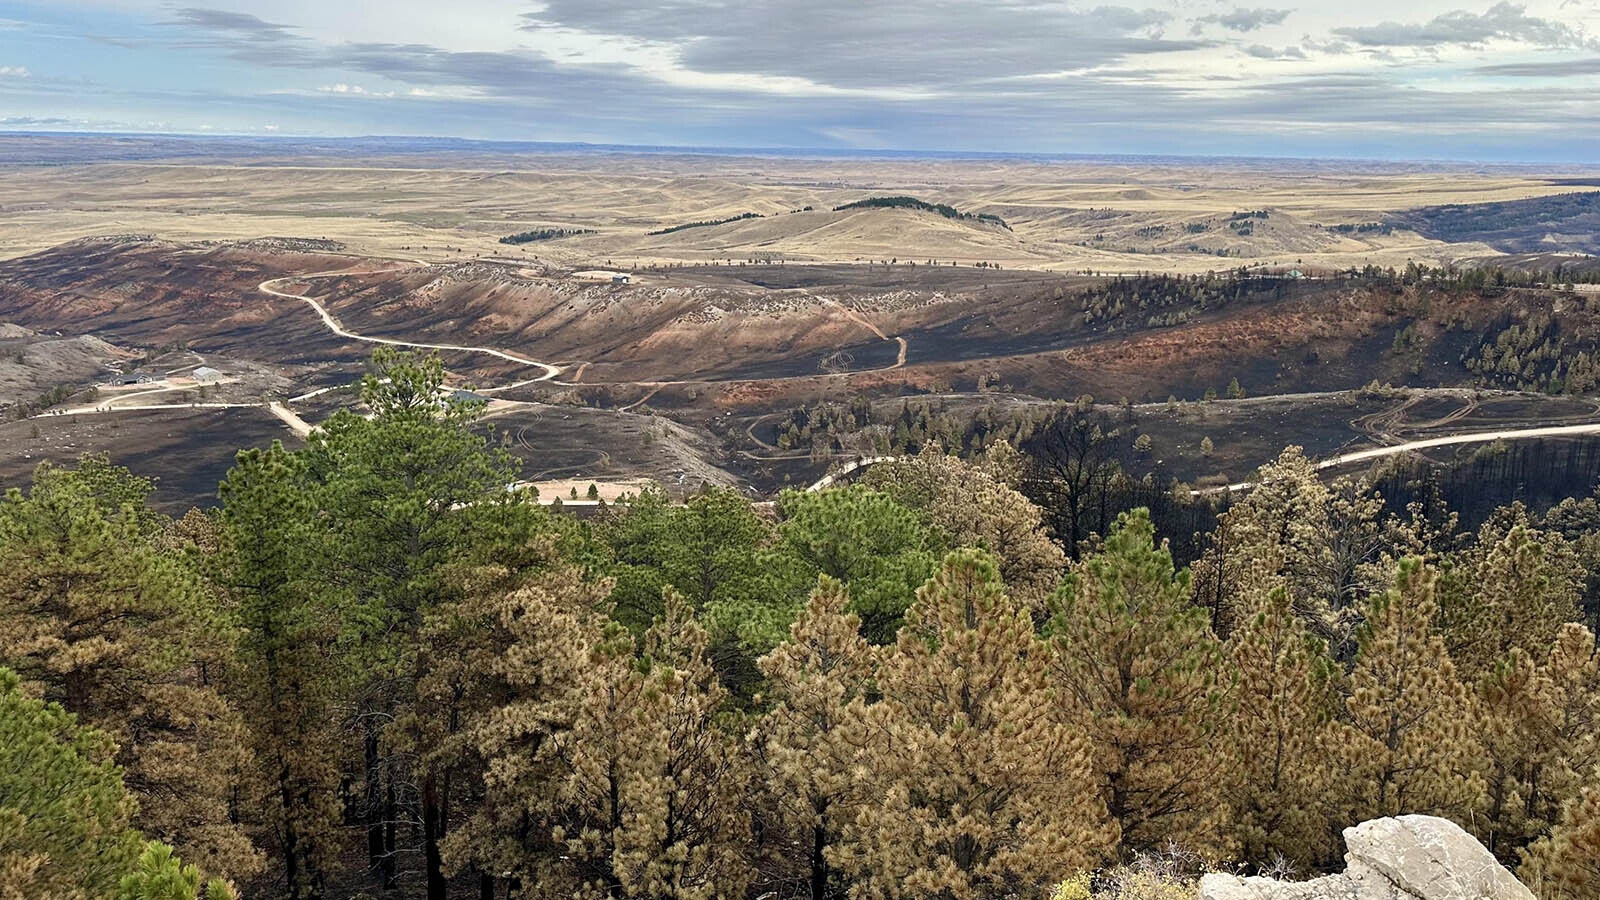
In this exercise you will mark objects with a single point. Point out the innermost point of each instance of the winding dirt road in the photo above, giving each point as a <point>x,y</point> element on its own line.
<point>1481,437</point>
<point>864,322</point>
<point>550,371</point>
<point>1343,459</point>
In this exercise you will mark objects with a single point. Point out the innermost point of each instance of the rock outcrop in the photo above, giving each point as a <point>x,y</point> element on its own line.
<point>1405,858</point>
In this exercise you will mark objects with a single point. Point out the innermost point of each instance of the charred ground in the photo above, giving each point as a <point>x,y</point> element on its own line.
<point>682,373</point>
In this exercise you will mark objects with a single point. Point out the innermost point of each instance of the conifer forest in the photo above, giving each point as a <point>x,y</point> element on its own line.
<point>374,671</point>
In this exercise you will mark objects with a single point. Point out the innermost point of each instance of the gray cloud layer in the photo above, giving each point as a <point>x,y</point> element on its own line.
<point>1505,21</point>
<point>1002,74</point>
<point>235,23</point>
<point>882,44</point>
<point>1245,20</point>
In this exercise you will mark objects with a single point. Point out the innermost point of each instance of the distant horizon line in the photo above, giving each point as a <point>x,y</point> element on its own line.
<point>773,151</point>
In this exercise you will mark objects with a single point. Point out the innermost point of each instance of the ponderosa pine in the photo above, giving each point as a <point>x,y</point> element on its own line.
<point>1515,588</point>
<point>1283,693</point>
<point>1136,667</point>
<point>1566,864</point>
<point>94,615</point>
<point>811,744</point>
<point>286,679</point>
<point>405,499</point>
<point>65,816</point>
<point>524,654</point>
<point>880,549</point>
<point>979,789</point>
<point>975,509</point>
<point>1405,742</point>
<point>1539,723</point>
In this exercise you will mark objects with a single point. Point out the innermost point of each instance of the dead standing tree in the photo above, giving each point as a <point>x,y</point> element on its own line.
<point>1074,461</point>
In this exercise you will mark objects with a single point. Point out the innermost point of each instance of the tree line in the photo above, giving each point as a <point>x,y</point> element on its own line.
<point>375,671</point>
<point>942,209</point>
<point>543,234</point>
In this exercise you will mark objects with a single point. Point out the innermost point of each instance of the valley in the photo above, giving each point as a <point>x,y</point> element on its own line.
<point>670,315</point>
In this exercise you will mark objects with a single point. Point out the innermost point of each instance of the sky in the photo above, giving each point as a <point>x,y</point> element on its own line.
<point>1417,79</point>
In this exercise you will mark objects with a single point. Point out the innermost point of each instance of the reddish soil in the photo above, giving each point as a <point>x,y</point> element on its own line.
<point>701,344</point>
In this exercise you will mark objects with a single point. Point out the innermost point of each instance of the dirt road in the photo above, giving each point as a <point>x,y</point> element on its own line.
<point>333,325</point>
<point>1481,437</point>
<point>861,320</point>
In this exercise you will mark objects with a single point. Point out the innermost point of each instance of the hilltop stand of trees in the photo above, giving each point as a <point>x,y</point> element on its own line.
<point>544,234</point>
<point>375,672</point>
<point>706,224</point>
<point>949,212</point>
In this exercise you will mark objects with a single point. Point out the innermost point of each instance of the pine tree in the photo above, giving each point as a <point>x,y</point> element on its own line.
<point>1137,664</point>
<point>1279,529</point>
<point>522,661</point>
<point>160,875</point>
<point>406,499</point>
<point>694,841</point>
<point>1566,865</point>
<point>1354,567</point>
<point>286,680</point>
<point>95,616</point>
<point>877,547</point>
<point>1406,743</point>
<point>811,741</point>
<point>64,813</point>
<point>1073,457</point>
<point>1573,671</point>
<point>978,788</point>
<point>1540,728</point>
<point>1283,696</point>
<point>649,792</point>
<point>710,549</point>
<point>1515,588</point>
<point>974,509</point>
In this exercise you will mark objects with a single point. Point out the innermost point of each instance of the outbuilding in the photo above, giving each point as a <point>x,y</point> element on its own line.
<point>206,375</point>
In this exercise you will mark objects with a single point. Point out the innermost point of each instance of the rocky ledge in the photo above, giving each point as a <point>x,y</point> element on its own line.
<point>1404,858</point>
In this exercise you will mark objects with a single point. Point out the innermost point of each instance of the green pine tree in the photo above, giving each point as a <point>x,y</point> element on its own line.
<point>1406,743</point>
<point>1137,667</point>
<point>881,551</point>
<point>64,814</point>
<point>286,679</point>
<point>161,875</point>
<point>97,614</point>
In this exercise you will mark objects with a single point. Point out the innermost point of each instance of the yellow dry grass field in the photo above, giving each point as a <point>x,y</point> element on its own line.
<point>569,489</point>
<point>1063,215</point>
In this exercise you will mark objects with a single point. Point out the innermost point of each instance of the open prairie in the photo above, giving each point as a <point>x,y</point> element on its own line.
<point>702,319</point>
<point>1067,214</point>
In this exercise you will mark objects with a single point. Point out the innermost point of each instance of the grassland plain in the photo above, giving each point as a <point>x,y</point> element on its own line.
<point>679,374</point>
<point>1105,215</point>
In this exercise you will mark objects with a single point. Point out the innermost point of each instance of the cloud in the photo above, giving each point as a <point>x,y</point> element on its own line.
<point>1261,51</point>
<point>1565,68</point>
<point>885,44</point>
<point>240,25</point>
<point>354,90</point>
<point>241,36</point>
<point>979,74</point>
<point>1244,20</point>
<point>1503,21</point>
<point>40,122</point>
<point>15,72</point>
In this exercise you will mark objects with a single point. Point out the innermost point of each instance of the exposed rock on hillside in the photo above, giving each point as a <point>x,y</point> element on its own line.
<point>33,363</point>
<point>1405,858</point>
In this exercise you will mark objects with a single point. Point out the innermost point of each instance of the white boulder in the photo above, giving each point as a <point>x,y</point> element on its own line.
<point>1403,858</point>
